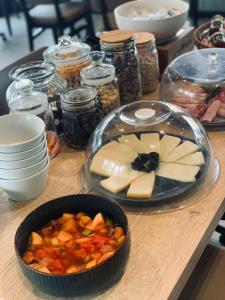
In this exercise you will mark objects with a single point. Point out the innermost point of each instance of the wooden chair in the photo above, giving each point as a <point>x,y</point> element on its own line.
<point>56,15</point>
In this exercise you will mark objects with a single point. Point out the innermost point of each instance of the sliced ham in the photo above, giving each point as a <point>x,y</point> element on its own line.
<point>211,111</point>
<point>222,96</point>
<point>221,113</point>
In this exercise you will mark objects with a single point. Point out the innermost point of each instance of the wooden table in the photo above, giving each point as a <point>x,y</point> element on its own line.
<point>165,247</point>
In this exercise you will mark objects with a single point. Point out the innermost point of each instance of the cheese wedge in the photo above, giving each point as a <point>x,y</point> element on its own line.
<point>142,186</point>
<point>115,184</point>
<point>177,172</point>
<point>152,141</point>
<point>110,146</point>
<point>181,151</point>
<point>195,159</point>
<point>167,144</point>
<point>133,142</point>
<point>116,156</point>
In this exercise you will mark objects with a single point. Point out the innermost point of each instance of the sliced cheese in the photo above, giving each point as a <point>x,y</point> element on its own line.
<point>110,146</point>
<point>177,172</point>
<point>115,156</point>
<point>167,144</point>
<point>181,151</point>
<point>132,141</point>
<point>152,141</point>
<point>115,184</point>
<point>195,159</point>
<point>142,186</point>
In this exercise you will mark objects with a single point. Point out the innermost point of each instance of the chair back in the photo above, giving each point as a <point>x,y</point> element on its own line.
<point>101,6</point>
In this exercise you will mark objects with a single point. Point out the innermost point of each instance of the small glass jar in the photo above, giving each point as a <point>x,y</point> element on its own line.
<point>45,80</point>
<point>119,50</point>
<point>69,57</point>
<point>102,78</point>
<point>36,103</point>
<point>81,114</point>
<point>148,59</point>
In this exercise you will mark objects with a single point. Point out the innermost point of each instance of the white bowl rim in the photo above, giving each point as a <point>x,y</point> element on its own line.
<point>30,140</point>
<point>26,159</point>
<point>156,20</point>
<point>22,169</point>
<point>26,178</point>
<point>26,151</point>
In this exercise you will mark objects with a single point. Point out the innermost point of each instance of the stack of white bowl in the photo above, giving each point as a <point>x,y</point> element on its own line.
<point>24,159</point>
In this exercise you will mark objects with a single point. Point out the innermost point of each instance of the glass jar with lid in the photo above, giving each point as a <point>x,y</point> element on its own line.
<point>81,114</point>
<point>196,82</point>
<point>119,50</point>
<point>36,103</point>
<point>148,59</point>
<point>102,78</point>
<point>45,80</point>
<point>69,57</point>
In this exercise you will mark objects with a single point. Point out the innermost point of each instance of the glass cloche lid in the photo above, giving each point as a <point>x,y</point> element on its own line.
<point>150,153</point>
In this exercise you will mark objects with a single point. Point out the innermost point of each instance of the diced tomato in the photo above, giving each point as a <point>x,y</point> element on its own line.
<point>28,257</point>
<point>39,254</point>
<point>80,253</point>
<point>88,247</point>
<point>57,264</point>
<point>100,240</point>
<point>56,255</point>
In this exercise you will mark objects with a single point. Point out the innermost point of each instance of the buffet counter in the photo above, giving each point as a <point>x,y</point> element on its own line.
<point>164,249</point>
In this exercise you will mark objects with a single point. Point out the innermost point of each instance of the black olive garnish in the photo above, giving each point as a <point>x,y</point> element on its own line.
<point>146,162</point>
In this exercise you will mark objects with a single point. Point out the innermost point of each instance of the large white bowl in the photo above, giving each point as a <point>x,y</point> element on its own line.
<point>23,163</point>
<point>15,174</point>
<point>10,157</point>
<point>163,29</point>
<point>20,132</point>
<point>27,188</point>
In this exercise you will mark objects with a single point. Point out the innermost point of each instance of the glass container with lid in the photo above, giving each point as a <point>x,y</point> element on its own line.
<point>102,77</point>
<point>196,82</point>
<point>69,57</point>
<point>148,59</point>
<point>36,103</point>
<point>150,153</point>
<point>45,80</point>
<point>81,114</point>
<point>119,50</point>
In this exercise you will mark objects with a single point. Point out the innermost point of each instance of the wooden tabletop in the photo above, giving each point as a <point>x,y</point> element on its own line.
<point>164,247</point>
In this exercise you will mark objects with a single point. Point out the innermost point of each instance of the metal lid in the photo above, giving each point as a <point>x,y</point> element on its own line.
<point>28,100</point>
<point>202,66</point>
<point>97,73</point>
<point>67,51</point>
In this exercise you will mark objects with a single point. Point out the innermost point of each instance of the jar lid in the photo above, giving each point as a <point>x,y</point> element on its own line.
<point>201,66</point>
<point>116,36</point>
<point>28,100</point>
<point>66,51</point>
<point>79,98</point>
<point>143,37</point>
<point>97,73</point>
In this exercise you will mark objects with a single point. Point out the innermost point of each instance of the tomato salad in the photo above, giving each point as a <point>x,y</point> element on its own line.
<point>73,243</point>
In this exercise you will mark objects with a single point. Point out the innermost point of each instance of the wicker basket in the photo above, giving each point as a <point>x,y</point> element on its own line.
<point>199,43</point>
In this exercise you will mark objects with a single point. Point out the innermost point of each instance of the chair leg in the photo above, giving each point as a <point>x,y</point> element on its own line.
<point>30,39</point>
<point>55,34</point>
<point>3,37</point>
<point>90,26</point>
<point>6,14</point>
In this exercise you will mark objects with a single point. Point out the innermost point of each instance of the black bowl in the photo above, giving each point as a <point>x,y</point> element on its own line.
<point>87,282</point>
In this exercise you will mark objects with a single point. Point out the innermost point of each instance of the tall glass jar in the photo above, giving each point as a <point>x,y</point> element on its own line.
<point>119,50</point>
<point>81,115</point>
<point>148,59</point>
<point>102,78</point>
<point>69,57</point>
<point>36,103</point>
<point>45,80</point>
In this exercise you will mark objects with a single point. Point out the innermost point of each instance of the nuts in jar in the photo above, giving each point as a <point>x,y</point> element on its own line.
<point>108,98</point>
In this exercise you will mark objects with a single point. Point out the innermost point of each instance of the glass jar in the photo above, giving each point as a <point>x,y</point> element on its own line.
<point>102,78</point>
<point>148,59</point>
<point>81,114</point>
<point>36,103</point>
<point>45,80</point>
<point>69,57</point>
<point>119,50</point>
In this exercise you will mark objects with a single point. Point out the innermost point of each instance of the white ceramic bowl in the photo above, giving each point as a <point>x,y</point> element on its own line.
<point>163,29</point>
<point>27,188</point>
<point>20,132</point>
<point>24,163</point>
<point>24,154</point>
<point>15,174</point>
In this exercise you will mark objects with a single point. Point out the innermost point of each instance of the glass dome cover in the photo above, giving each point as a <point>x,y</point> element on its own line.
<point>150,153</point>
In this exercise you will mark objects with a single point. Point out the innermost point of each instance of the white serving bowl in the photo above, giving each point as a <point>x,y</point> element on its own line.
<point>15,174</point>
<point>20,132</point>
<point>26,188</point>
<point>163,29</point>
<point>24,163</point>
<point>24,154</point>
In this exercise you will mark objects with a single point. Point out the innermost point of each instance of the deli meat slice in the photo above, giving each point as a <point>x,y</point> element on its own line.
<point>211,111</point>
